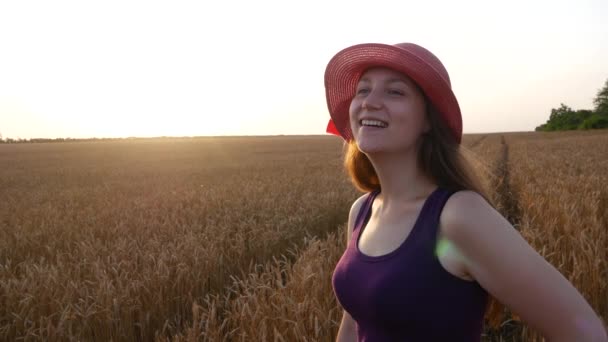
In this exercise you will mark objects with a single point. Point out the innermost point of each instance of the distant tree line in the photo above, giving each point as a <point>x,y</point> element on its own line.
<point>565,118</point>
<point>61,140</point>
<point>47,140</point>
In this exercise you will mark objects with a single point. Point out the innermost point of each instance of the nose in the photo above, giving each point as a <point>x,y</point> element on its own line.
<point>372,100</point>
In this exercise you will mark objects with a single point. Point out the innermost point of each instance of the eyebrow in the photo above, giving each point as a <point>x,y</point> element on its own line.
<point>390,80</point>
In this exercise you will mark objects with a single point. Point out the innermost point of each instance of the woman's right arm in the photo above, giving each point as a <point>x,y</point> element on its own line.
<point>348,329</point>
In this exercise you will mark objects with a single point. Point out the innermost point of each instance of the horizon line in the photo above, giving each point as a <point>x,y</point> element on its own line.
<point>209,136</point>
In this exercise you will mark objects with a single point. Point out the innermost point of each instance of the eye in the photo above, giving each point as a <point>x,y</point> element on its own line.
<point>362,91</point>
<point>396,92</point>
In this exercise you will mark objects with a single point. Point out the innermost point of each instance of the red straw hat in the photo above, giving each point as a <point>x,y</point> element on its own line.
<point>346,67</point>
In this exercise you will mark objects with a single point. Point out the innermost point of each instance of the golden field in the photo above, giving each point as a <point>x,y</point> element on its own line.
<point>235,238</point>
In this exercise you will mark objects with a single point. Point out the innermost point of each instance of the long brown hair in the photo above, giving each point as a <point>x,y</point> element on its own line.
<point>445,161</point>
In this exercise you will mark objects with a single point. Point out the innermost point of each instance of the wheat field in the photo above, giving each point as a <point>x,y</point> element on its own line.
<point>235,238</point>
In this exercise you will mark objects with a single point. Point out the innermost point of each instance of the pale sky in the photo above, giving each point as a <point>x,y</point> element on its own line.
<point>191,68</point>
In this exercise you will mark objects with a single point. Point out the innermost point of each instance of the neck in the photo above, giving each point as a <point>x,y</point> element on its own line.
<point>402,180</point>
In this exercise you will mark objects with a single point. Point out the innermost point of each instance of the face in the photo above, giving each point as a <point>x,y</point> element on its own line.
<point>391,100</point>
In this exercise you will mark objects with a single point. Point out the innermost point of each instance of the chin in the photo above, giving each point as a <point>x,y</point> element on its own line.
<point>368,146</point>
<point>376,145</point>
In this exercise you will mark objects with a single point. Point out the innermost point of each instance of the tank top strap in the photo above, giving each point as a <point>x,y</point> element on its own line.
<point>365,208</point>
<point>433,213</point>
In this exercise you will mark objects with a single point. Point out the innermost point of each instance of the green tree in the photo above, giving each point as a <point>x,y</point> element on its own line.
<point>584,114</point>
<point>595,121</point>
<point>563,118</point>
<point>601,101</point>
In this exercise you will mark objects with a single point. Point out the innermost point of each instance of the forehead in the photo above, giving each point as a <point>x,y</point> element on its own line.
<point>385,74</point>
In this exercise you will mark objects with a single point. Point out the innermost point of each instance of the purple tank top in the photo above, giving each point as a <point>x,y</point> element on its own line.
<point>407,295</point>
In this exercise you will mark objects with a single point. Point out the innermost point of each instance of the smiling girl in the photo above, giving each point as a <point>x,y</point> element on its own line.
<point>427,252</point>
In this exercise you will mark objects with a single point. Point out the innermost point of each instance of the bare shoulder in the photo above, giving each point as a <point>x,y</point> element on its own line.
<point>459,206</point>
<point>502,262</point>
<point>468,219</point>
<point>352,216</point>
<point>465,205</point>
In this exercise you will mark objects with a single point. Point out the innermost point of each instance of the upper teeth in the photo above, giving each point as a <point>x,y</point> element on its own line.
<point>373,123</point>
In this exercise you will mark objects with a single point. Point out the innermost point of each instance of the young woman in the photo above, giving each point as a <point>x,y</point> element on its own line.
<point>427,252</point>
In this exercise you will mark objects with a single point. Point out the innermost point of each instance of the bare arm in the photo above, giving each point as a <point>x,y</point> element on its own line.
<point>503,263</point>
<point>348,329</point>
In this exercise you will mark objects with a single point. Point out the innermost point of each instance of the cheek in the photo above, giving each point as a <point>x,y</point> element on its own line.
<point>352,110</point>
<point>353,106</point>
<point>411,121</point>
<point>413,112</point>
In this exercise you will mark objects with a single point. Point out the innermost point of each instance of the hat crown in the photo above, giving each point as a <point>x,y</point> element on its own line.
<point>428,57</point>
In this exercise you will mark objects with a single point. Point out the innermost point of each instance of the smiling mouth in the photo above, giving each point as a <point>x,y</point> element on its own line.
<point>373,123</point>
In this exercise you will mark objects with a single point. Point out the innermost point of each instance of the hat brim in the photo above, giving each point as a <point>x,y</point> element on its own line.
<point>346,67</point>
